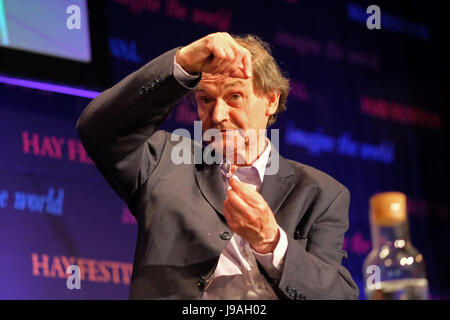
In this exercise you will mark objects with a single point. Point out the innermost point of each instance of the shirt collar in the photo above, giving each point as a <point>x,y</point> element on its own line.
<point>259,164</point>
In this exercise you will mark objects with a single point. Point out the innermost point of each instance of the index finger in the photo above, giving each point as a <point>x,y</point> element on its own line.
<point>247,64</point>
<point>241,188</point>
<point>252,197</point>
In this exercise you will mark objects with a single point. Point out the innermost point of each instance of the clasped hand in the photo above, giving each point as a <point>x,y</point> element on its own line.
<point>249,215</point>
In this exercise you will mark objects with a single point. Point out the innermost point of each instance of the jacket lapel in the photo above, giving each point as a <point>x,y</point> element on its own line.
<point>209,179</point>
<point>276,188</point>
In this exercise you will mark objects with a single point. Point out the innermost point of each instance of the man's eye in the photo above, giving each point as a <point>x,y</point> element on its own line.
<point>235,96</point>
<point>206,100</point>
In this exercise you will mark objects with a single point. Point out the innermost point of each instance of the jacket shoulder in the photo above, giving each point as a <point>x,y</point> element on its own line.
<point>174,147</point>
<point>308,175</point>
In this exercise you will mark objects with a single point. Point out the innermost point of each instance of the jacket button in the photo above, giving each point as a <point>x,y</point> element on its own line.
<point>292,292</point>
<point>201,283</point>
<point>299,297</point>
<point>225,235</point>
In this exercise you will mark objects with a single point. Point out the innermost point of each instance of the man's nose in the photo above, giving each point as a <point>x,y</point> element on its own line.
<point>220,112</point>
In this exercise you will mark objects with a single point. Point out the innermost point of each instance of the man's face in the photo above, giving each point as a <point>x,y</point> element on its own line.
<point>225,103</point>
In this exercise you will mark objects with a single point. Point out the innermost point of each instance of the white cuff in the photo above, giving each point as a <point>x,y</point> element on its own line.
<point>273,261</point>
<point>181,75</point>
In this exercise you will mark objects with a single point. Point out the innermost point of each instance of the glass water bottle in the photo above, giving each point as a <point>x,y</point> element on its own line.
<point>394,269</point>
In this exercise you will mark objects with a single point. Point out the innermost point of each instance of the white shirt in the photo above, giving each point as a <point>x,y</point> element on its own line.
<point>237,275</point>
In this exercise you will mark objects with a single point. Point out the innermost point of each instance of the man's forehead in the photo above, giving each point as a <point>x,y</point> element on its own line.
<point>215,81</point>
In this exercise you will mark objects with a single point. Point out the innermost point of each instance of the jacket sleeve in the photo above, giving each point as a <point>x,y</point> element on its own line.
<point>312,267</point>
<point>118,129</point>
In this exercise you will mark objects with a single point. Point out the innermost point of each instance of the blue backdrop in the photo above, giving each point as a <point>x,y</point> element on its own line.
<point>365,106</point>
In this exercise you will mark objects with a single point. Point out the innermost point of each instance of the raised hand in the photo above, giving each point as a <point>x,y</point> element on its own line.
<point>216,53</point>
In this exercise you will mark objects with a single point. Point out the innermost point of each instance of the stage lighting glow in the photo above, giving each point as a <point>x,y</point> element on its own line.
<point>49,87</point>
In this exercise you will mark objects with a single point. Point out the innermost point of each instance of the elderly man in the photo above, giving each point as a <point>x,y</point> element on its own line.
<point>226,230</point>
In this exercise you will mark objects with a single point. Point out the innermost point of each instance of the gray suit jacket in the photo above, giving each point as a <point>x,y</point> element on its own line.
<point>181,231</point>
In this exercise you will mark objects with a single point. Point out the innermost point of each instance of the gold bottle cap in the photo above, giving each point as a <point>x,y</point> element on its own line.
<point>388,208</point>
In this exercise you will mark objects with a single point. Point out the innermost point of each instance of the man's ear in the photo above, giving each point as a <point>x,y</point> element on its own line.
<point>273,99</point>
<point>190,98</point>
